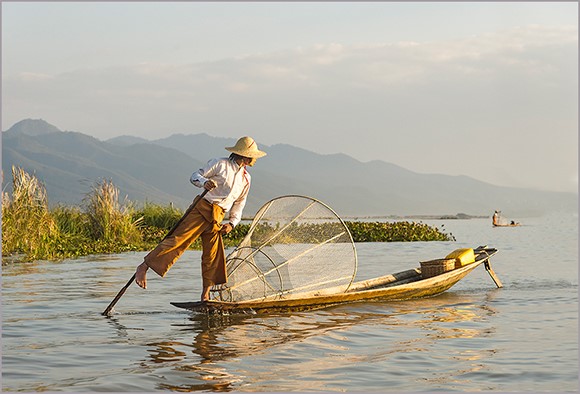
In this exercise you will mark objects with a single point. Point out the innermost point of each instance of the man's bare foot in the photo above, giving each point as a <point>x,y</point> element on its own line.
<point>205,294</point>
<point>141,275</point>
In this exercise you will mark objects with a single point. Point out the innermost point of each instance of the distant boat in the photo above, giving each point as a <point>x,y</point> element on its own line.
<point>499,221</point>
<point>507,225</point>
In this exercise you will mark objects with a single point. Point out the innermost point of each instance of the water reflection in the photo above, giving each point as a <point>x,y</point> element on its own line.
<point>166,351</point>
<point>120,329</point>
<point>10,268</point>
<point>206,353</point>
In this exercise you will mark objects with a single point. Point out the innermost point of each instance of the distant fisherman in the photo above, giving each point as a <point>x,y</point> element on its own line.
<point>495,218</point>
<point>228,184</point>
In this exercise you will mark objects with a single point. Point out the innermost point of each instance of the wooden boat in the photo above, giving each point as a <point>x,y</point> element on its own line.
<point>507,225</point>
<point>399,286</point>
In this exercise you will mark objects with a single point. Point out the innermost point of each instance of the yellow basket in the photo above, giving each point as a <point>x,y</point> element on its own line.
<point>462,257</point>
<point>436,267</point>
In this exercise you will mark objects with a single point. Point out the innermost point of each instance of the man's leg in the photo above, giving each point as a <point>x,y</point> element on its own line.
<point>213,261</point>
<point>205,293</point>
<point>172,247</point>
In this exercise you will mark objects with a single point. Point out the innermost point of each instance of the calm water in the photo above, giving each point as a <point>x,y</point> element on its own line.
<point>523,337</point>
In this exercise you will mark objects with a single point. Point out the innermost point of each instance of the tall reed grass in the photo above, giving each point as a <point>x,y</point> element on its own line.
<point>102,224</point>
<point>163,217</point>
<point>108,219</point>
<point>32,231</point>
<point>28,228</point>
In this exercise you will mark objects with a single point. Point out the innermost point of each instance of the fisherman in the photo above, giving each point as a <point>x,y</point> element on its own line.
<point>228,183</point>
<point>495,218</point>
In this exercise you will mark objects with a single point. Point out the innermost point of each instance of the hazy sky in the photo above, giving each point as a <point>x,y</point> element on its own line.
<point>486,89</point>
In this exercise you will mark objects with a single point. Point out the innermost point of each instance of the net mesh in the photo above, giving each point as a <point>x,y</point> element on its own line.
<point>502,220</point>
<point>294,245</point>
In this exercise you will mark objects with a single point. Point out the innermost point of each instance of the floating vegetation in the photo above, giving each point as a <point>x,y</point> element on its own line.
<point>395,232</point>
<point>32,231</point>
<point>361,232</point>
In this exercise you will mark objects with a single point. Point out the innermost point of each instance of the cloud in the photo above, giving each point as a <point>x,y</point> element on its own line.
<point>34,77</point>
<point>376,65</point>
<point>514,88</point>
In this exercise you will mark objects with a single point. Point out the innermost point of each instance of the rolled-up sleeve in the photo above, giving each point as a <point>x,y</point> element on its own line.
<point>201,176</point>
<point>197,179</point>
<point>232,186</point>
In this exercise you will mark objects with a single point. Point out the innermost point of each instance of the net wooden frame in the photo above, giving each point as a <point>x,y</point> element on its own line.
<point>295,245</point>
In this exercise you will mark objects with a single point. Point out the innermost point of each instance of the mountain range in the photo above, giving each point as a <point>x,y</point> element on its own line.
<point>69,163</point>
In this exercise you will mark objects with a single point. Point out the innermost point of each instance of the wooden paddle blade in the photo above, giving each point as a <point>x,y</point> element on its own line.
<point>492,274</point>
<point>107,312</point>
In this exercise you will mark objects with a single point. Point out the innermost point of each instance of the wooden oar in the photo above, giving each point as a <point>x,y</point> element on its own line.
<point>492,274</point>
<point>107,311</point>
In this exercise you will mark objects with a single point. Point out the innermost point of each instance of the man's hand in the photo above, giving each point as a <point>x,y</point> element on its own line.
<point>226,228</point>
<point>209,185</point>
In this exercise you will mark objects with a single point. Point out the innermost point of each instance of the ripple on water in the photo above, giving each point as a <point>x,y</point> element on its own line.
<point>473,337</point>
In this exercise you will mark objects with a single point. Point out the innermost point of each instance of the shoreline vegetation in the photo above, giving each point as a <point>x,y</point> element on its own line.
<point>103,224</point>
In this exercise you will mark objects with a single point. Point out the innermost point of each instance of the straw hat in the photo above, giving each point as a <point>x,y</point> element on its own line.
<point>247,147</point>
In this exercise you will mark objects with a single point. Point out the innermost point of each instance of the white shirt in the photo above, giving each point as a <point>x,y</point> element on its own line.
<point>233,184</point>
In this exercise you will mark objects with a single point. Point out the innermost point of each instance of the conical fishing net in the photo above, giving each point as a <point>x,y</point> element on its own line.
<point>295,245</point>
<point>502,220</point>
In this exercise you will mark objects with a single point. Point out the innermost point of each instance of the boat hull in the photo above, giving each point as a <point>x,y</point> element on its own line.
<point>400,286</point>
